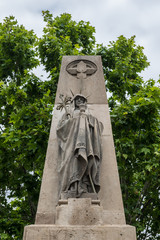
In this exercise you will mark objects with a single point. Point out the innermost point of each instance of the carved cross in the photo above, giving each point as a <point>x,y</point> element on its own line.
<point>81,69</point>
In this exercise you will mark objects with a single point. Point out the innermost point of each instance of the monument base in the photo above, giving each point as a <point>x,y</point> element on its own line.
<point>105,232</point>
<point>82,219</point>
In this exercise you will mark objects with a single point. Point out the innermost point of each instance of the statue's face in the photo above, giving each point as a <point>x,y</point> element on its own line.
<point>79,100</point>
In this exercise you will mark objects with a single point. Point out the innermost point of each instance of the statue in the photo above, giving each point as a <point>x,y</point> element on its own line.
<point>80,151</point>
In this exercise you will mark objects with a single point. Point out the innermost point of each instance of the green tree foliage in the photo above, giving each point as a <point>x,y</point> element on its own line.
<point>25,113</point>
<point>123,60</point>
<point>63,36</point>
<point>16,51</point>
<point>26,104</point>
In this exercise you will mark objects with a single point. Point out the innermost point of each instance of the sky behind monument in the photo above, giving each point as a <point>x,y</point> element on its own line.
<point>111,19</point>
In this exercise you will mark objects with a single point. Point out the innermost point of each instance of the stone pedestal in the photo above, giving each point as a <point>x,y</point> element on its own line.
<point>80,211</point>
<point>81,219</point>
<point>53,232</point>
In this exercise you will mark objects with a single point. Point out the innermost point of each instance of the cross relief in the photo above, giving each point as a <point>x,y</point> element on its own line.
<point>81,69</point>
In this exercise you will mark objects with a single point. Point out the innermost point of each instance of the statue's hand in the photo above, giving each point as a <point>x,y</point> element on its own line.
<point>68,115</point>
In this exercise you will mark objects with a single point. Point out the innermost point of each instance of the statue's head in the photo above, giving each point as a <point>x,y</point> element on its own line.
<point>79,100</point>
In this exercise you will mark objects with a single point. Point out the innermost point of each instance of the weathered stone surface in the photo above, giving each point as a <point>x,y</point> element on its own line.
<point>101,112</point>
<point>113,217</point>
<point>81,218</point>
<point>49,188</point>
<point>110,193</point>
<point>93,85</point>
<point>79,211</point>
<point>83,232</point>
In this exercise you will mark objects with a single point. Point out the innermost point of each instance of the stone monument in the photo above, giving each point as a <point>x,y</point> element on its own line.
<point>80,195</point>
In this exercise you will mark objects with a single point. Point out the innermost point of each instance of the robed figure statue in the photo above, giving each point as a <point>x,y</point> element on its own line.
<point>80,150</point>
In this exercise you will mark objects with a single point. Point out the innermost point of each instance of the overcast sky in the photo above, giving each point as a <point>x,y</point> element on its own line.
<point>111,18</point>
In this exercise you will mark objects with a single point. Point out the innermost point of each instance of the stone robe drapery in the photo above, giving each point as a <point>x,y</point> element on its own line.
<point>80,153</point>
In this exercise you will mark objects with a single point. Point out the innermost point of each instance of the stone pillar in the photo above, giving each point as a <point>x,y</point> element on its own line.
<point>106,220</point>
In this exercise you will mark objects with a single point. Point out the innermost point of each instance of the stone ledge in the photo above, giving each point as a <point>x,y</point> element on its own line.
<point>65,202</point>
<point>103,232</point>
